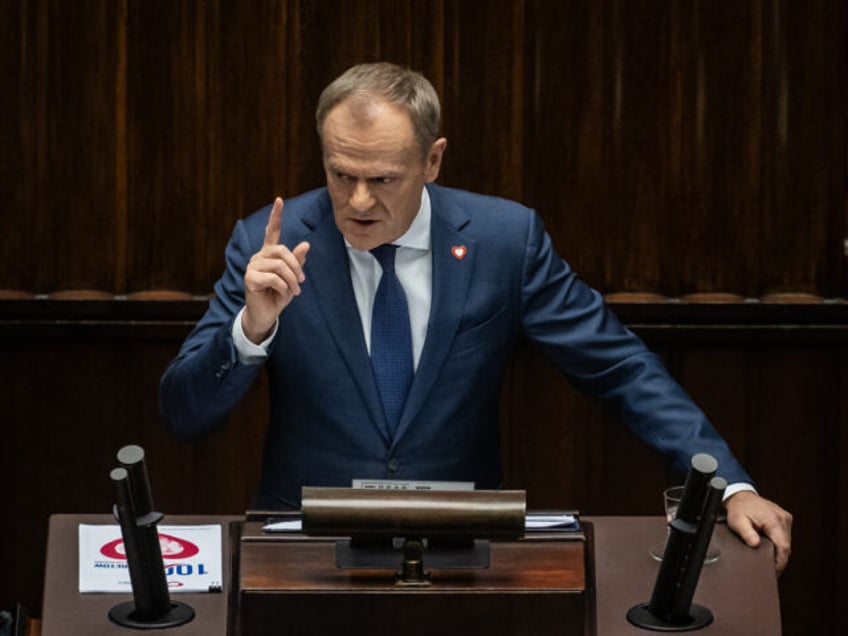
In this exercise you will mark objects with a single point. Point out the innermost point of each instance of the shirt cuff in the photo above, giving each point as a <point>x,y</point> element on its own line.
<point>741,486</point>
<point>248,352</point>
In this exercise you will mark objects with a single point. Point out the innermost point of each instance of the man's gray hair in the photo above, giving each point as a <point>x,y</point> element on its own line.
<point>397,85</point>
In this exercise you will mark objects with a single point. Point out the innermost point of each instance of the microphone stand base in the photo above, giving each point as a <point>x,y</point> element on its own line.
<point>640,616</point>
<point>124,614</point>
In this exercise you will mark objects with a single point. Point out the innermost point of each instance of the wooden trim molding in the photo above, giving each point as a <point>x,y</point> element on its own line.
<point>704,316</point>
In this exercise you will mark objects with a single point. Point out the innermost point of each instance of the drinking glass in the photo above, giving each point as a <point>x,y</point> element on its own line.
<point>671,501</point>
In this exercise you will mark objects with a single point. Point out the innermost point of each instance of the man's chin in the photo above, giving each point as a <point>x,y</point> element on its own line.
<point>364,237</point>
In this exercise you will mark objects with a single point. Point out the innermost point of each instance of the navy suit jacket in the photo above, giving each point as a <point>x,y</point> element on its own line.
<point>327,425</point>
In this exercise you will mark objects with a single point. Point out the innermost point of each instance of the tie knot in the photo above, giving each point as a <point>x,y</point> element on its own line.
<point>385,255</point>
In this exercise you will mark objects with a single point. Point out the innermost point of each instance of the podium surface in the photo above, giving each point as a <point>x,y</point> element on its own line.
<point>740,588</point>
<point>65,611</point>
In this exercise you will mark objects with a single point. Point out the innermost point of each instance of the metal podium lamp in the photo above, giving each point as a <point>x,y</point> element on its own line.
<point>151,607</point>
<point>445,528</point>
<point>670,608</point>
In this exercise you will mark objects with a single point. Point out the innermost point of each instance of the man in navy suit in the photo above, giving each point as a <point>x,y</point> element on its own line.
<point>477,274</point>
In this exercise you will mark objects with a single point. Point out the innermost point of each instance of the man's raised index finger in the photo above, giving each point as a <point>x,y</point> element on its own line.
<point>275,222</point>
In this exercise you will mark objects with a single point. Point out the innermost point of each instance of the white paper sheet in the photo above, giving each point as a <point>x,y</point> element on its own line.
<point>536,521</point>
<point>191,555</point>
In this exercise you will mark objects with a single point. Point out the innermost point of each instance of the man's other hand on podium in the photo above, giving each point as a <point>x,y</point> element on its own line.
<point>749,514</point>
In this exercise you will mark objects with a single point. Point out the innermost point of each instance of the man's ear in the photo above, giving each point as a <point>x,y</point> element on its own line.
<point>434,159</point>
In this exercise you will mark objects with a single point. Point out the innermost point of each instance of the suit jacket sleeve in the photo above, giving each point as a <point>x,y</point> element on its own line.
<point>586,342</point>
<point>206,380</point>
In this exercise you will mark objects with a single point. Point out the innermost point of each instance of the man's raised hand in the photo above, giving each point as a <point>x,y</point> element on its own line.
<point>272,279</point>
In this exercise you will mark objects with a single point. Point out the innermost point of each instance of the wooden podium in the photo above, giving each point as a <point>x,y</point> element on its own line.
<point>532,587</point>
<point>293,581</point>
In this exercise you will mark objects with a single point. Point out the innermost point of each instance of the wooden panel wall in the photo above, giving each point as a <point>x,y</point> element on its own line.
<point>672,148</point>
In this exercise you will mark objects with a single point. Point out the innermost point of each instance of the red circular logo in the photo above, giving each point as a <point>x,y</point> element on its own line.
<point>172,548</point>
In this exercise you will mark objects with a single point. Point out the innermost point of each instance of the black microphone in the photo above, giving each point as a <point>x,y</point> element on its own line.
<point>670,608</point>
<point>151,607</point>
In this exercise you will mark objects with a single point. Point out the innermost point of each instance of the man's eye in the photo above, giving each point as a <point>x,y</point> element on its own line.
<point>341,176</point>
<point>384,180</point>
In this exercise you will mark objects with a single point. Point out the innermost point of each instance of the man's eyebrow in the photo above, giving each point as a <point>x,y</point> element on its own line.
<point>378,173</point>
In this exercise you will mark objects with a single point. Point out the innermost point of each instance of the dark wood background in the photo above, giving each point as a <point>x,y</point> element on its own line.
<point>689,160</point>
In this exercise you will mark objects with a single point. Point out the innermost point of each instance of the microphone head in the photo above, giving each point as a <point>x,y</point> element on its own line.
<point>718,483</point>
<point>131,454</point>
<point>704,463</point>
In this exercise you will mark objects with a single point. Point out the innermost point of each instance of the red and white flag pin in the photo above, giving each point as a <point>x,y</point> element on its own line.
<point>459,252</point>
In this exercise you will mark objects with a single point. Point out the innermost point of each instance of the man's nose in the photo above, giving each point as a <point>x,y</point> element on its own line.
<point>361,199</point>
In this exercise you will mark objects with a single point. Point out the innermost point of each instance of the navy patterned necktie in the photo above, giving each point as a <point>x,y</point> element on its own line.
<point>391,338</point>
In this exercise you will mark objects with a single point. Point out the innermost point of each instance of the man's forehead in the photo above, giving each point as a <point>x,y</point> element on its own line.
<point>381,145</point>
<point>362,165</point>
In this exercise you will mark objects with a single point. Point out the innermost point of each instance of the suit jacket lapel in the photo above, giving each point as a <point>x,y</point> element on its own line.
<point>328,270</point>
<point>453,262</point>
